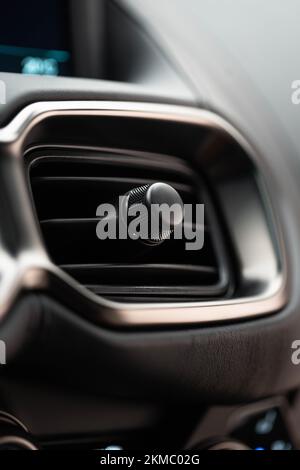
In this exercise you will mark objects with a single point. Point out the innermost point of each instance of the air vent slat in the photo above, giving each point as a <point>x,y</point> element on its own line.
<point>142,277</point>
<point>78,196</point>
<point>75,241</point>
<point>128,166</point>
<point>123,268</point>
<point>104,181</point>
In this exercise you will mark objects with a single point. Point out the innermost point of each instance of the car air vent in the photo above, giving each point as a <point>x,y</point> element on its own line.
<point>68,187</point>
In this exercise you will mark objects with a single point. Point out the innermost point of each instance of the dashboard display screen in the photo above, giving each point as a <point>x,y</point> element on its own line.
<point>35,37</point>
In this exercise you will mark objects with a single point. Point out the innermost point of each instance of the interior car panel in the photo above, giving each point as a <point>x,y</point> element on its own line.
<point>144,343</point>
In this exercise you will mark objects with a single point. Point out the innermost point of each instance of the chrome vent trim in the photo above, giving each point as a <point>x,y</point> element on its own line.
<point>26,265</point>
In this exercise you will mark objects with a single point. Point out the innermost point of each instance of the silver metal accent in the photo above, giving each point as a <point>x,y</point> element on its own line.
<point>32,269</point>
<point>9,438</point>
<point>18,442</point>
<point>229,445</point>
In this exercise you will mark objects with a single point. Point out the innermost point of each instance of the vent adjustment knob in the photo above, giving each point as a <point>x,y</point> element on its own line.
<point>164,208</point>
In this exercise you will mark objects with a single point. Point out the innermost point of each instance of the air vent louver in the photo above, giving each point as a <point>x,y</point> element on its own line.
<point>68,187</point>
